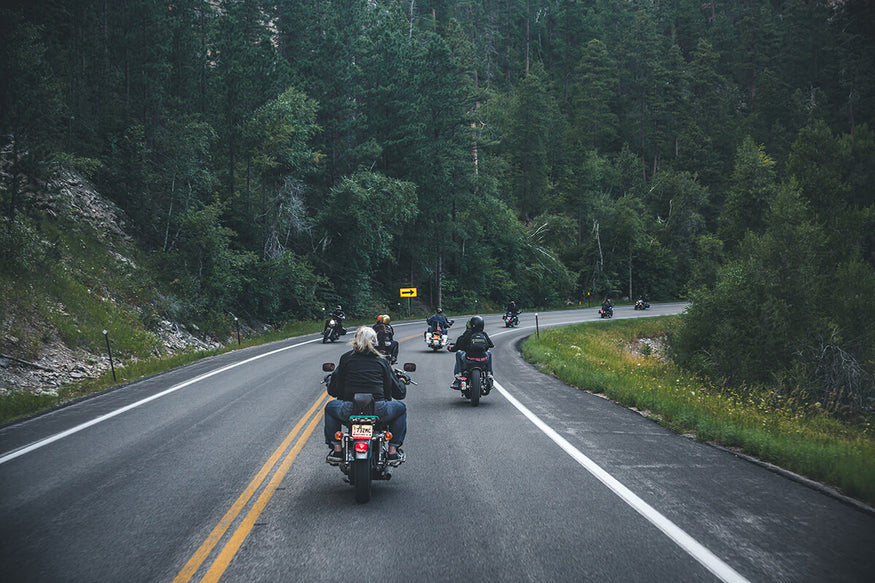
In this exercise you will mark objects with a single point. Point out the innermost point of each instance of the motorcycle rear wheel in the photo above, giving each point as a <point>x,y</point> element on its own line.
<point>361,470</point>
<point>474,380</point>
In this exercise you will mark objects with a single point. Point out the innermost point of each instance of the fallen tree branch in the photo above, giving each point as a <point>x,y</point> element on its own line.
<point>33,364</point>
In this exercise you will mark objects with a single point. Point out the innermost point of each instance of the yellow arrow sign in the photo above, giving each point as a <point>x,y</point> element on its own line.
<point>408,292</point>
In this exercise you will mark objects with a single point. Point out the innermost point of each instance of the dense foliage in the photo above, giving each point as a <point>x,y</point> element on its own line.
<point>275,156</point>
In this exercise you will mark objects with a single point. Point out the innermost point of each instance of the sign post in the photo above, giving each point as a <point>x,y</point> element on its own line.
<point>408,292</point>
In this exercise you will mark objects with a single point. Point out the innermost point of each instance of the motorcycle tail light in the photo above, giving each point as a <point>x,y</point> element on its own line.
<point>388,436</point>
<point>338,435</point>
<point>361,446</point>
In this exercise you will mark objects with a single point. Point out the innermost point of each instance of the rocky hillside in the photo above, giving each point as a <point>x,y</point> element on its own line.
<point>73,239</point>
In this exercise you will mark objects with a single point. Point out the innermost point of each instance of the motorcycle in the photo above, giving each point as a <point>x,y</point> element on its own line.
<point>511,319</point>
<point>475,381</point>
<point>641,304</point>
<point>437,338</point>
<point>333,330</point>
<point>365,441</point>
<point>606,312</point>
<point>384,350</point>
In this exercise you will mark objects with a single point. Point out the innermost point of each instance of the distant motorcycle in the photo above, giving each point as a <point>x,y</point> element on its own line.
<point>437,338</point>
<point>333,330</point>
<point>511,319</point>
<point>364,440</point>
<point>384,350</point>
<point>641,304</point>
<point>606,312</point>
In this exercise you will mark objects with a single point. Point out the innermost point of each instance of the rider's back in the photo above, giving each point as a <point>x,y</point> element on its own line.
<point>361,373</point>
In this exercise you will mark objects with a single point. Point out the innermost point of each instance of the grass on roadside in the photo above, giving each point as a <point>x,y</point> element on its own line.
<point>793,435</point>
<point>20,404</point>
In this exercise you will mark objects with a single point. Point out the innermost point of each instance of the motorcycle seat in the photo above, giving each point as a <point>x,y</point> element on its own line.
<point>363,404</point>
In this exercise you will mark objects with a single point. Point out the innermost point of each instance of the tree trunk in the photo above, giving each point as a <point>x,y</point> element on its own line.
<point>169,212</point>
<point>528,33</point>
<point>410,32</point>
<point>439,277</point>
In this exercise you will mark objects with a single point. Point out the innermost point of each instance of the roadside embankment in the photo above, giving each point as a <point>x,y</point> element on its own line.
<point>628,362</point>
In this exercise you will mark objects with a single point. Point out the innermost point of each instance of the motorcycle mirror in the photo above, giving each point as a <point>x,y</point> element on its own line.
<point>327,367</point>
<point>409,367</point>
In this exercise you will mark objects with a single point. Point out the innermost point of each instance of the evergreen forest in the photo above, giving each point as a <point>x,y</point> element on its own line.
<point>274,157</point>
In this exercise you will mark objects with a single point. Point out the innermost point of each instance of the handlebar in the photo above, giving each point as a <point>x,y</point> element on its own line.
<point>404,378</point>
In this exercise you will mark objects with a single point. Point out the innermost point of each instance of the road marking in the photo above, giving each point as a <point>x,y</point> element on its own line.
<point>58,436</point>
<point>313,415</point>
<point>694,548</point>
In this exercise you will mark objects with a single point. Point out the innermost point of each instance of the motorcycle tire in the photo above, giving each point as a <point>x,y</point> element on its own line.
<point>361,479</point>
<point>474,380</point>
<point>325,338</point>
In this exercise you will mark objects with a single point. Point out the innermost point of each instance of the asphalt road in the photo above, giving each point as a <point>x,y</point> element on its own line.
<point>216,471</point>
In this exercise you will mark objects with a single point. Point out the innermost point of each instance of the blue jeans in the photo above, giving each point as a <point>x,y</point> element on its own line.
<point>460,362</point>
<point>393,413</point>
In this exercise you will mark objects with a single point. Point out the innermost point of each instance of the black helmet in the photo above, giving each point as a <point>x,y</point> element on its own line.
<point>476,324</point>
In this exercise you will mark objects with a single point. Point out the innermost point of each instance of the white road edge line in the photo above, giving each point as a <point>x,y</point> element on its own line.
<point>58,436</point>
<point>695,549</point>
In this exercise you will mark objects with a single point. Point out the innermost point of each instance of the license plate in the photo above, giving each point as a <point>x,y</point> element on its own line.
<point>362,431</point>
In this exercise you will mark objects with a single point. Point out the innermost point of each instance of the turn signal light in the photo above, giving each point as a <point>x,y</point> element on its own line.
<point>338,435</point>
<point>388,436</point>
<point>361,446</point>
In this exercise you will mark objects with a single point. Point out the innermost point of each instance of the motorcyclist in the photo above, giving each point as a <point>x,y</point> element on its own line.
<point>386,337</point>
<point>608,306</point>
<point>364,370</point>
<point>338,315</point>
<point>512,311</point>
<point>438,321</point>
<point>464,346</point>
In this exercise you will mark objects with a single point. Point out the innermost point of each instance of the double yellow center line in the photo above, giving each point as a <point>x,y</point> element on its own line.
<point>287,452</point>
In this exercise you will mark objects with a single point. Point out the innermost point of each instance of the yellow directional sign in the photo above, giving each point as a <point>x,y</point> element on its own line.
<point>408,292</point>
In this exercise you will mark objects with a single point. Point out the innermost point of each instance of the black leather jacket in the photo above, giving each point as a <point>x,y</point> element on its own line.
<point>359,372</point>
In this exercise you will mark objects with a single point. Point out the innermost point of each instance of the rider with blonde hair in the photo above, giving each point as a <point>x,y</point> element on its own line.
<point>365,370</point>
<point>386,342</point>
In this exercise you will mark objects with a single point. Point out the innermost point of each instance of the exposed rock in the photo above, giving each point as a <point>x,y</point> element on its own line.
<point>59,365</point>
<point>648,348</point>
<point>70,195</point>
